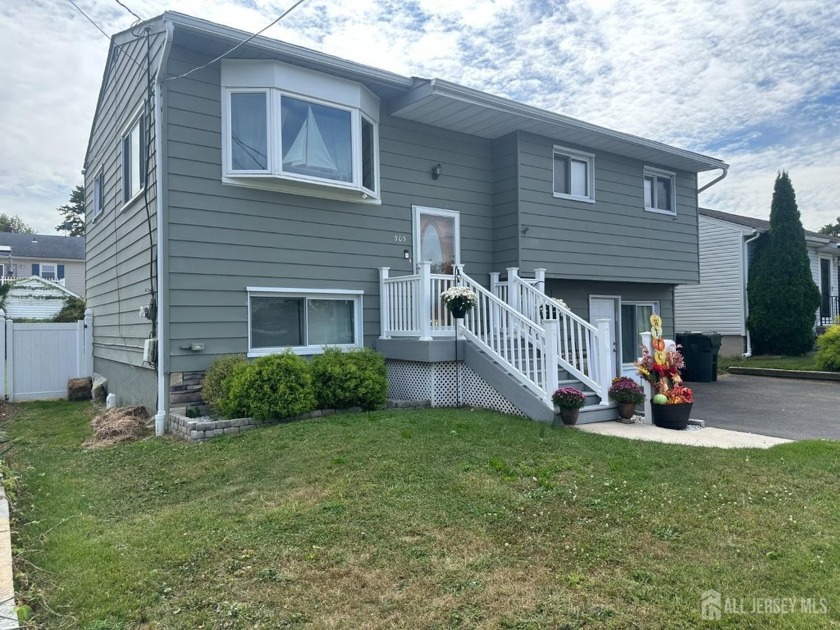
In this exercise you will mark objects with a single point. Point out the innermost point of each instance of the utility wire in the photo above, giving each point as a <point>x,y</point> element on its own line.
<point>78,8</point>
<point>240,44</point>
<point>98,28</point>
<point>139,19</point>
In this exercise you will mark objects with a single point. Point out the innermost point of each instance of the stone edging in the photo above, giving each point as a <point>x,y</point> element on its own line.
<point>199,429</point>
<point>8,606</point>
<point>800,374</point>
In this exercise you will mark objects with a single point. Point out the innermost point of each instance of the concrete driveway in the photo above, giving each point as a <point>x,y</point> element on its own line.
<point>788,408</point>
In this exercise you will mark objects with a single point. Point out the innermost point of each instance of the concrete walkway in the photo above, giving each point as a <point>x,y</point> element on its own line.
<point>710,437</point>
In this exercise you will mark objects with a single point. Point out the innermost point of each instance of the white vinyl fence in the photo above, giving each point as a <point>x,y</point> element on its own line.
<point>42,357</point>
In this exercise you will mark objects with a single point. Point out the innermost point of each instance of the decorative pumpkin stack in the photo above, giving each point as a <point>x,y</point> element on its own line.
<point>672,401</point>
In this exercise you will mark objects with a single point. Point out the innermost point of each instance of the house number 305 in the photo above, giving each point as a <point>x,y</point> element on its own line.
<point>400,238</point>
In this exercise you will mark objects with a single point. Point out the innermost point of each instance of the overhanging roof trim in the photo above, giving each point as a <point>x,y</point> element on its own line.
<point>413,101</point>
<point>291,51</point>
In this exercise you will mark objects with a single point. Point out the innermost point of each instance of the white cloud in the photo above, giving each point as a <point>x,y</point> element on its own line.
<point>754,83</point>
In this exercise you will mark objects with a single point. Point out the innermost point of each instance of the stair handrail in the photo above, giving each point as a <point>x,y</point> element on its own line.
<point>578,342</point>
<point>517,343</point>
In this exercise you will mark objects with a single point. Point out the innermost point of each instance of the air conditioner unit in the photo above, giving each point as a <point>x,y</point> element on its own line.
<point>150,351</point>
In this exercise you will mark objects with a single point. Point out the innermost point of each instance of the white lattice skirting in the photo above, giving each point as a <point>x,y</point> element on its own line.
<point>438,382</point>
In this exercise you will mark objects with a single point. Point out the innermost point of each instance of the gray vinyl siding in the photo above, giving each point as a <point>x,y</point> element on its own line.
<point>613,238</point>
<point>717,303</point>
<point>118,247</point>
<point>576,294</point>
<point>505,203</point>
<point>222,239</point>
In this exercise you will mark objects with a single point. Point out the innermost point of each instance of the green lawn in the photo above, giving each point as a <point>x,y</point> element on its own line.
<point>806,362</point>
<point>416,519</point>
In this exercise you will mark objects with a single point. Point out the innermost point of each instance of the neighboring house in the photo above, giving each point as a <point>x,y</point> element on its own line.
<point>35,298</point>
<point>307,200</point>
<point>56,258</point>
<point>719,302</point>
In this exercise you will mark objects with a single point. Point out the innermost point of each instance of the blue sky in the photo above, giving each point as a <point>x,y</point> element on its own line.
<point>755,83</point>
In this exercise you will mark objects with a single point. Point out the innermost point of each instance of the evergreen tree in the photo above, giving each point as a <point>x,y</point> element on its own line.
<point>74,214</point>
<point>783,298</point>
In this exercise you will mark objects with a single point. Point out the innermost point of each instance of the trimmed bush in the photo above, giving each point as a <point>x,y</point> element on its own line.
<point>828,349</point>
<point>272,387</point>
<point>216,377</point>
<point>350,379</point>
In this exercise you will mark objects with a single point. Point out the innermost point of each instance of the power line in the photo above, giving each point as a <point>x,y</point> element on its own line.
<point>139,19</point>
<point>89,19</point>
<point>240,44</point>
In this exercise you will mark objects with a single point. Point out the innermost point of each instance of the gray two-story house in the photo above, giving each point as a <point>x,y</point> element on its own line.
<point>251,198</point>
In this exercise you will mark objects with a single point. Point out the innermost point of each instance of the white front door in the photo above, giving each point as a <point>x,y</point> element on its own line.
<point>606,308</point>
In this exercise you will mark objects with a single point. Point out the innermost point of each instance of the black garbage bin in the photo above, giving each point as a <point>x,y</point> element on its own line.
<point>700,351</point>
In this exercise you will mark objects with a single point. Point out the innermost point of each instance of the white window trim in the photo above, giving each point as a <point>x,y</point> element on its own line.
<point>127,130</point>
<point>581,156</point>
<point>279,80</point>
<point>226,143</point>
<point>41,266</point>
<point>658,172</point>
<point>97,208</point>
<point>440,212</point>
<point>654,304</point>
<point>357,295</point>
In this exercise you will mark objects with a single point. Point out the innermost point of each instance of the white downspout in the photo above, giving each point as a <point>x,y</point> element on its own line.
<point>746,259</point>
<point>162,295</point>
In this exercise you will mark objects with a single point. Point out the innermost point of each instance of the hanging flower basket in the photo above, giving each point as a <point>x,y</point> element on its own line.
<point>459,301</point>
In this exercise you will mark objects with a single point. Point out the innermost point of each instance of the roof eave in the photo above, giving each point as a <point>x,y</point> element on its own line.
<point>439,87</point>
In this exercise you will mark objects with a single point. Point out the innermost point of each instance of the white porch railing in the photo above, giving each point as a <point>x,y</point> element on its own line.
<point>522,328</point>
<point>579,347</point>
<point>410,306</point>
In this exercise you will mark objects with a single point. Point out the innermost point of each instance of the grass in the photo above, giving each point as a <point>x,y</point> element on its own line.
<point>415,519</point>
<point>806,362</point>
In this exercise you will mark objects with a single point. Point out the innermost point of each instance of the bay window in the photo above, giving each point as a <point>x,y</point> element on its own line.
<point>295,130</point>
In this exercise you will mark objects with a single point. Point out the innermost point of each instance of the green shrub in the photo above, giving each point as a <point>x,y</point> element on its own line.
<point>72,311</point>
<point>216,379</point>
<point>349,379</point>
<point>272,387</point>
<point>828,349</point>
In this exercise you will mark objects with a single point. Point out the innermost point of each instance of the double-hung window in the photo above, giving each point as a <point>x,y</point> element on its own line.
<point>302,319</point>
<point>574,174</point>
<point>295,130</point>
<point>635,319</point>
<point>134,159</point>
<point>660,191</point>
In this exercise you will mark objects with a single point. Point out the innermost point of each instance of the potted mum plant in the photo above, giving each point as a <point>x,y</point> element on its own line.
<point>569,400</point>
<point>459,300</point>
<point>627,393</point>
<point>672,401</point>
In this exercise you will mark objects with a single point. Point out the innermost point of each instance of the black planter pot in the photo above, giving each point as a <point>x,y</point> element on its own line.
<point>458,313</point>
<point>671,416</point>
<point>569,416</point>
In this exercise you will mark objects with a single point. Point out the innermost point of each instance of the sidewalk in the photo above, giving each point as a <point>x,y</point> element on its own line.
<point>708,437</point>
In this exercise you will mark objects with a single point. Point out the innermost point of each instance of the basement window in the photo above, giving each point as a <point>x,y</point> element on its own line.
<point>304,320</point>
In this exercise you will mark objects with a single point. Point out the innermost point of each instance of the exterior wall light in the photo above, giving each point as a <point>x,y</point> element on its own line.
<point>437,169</point>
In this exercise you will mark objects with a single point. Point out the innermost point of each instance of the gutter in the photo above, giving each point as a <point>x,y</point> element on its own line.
<point>162,236</point>
<point>755,234</point>
<point>725,169</point>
